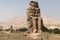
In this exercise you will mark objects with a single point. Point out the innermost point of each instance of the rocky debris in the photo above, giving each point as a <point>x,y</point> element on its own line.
<point>34,35</point>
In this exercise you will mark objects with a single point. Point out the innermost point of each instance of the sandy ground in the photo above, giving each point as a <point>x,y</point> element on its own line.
<point>20,36</point>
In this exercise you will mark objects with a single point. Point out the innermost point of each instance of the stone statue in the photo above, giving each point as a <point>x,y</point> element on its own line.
<point>33,17</point>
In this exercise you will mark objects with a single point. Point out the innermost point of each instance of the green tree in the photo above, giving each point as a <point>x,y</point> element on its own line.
<point>56,31</point>
<point>50,31</point>
<point>21,29</point>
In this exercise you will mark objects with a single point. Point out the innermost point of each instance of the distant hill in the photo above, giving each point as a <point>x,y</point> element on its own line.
<point>51,23</point>
<point>15,22</point>
<point>20,22</point>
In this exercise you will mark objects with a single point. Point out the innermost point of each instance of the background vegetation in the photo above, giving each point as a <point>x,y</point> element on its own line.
<point>55,31</point>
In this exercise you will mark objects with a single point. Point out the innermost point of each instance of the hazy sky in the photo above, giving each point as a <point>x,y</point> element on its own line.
<point>17,8</point>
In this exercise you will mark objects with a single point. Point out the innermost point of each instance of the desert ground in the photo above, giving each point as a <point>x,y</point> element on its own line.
<point>14,36</point>
<point>20,36</point>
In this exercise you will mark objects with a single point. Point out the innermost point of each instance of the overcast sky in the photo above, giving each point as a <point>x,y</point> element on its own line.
<point>17,8</point>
